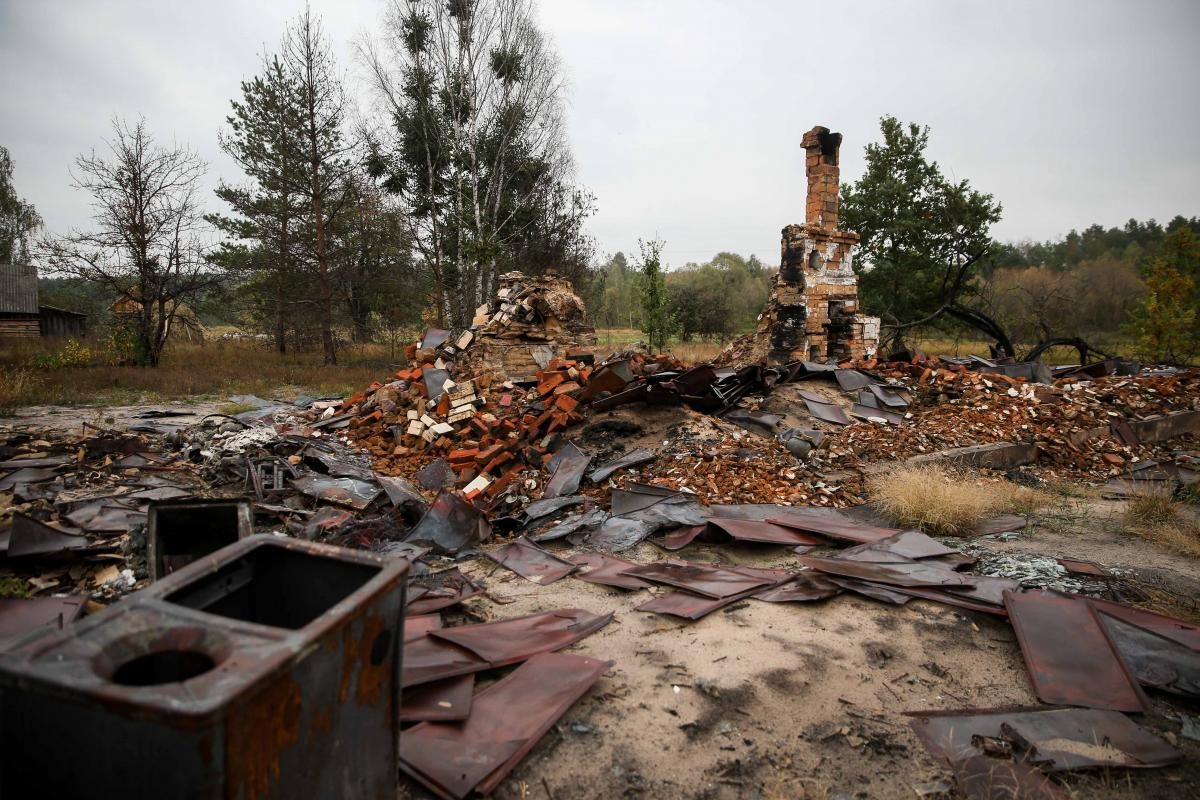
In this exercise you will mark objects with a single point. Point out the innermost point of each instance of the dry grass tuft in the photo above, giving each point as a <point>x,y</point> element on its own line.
<point>1157,517</point>
<point>1154,507</point>
<point>18,387</point>
<point>946,503</point>
<point>1181,535</point>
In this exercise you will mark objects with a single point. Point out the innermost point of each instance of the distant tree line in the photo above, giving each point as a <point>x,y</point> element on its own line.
<point>1089,284</point>
<point>716,299</point>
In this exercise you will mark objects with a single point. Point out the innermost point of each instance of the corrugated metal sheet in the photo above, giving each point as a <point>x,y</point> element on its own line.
<point>18,289</point>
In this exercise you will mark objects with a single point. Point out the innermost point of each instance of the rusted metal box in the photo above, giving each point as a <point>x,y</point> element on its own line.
<point>269,669</point>
<point>180,531</point>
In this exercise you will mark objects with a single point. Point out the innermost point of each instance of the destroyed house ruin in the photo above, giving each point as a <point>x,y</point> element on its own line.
<point>812,313</point>
<point>532,320</point>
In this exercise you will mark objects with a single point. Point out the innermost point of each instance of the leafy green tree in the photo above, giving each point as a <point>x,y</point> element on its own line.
<point>658,323</point>
<point>1167,322</point>
<point>922,235</point>
<point>19,220</point>
<point>377,274</point>
<point>619,304</point>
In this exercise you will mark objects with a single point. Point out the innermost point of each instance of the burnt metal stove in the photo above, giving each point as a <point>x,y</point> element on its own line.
<point>269,669</point>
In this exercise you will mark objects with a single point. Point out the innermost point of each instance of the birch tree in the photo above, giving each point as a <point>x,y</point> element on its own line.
<point>470,93</point>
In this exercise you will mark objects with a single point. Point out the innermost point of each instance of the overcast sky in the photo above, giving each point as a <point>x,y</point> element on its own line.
<point>686,115</point>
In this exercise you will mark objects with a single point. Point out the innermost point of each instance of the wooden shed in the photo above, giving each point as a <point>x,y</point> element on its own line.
<point>21,317</point>
<point>54,321</point>
<point>19,302</point>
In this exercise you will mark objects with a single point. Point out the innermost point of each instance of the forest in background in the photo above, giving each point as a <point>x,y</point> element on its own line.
<point>1083,284</point>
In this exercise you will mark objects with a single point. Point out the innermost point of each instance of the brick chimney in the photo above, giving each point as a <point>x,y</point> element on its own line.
<point>821,166</point>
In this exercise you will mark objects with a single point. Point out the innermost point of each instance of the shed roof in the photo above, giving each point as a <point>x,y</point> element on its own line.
<point>18,289</point>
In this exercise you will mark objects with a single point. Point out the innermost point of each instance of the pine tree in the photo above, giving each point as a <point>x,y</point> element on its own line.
<point>270,229</point>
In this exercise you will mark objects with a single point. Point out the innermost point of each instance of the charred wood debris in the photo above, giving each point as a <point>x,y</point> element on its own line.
<point>456,455</point>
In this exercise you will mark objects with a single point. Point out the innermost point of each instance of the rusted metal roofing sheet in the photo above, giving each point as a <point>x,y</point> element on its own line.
<point>987,589</point>
<point>26,475</point>
<point>906,544</point>
<point>1155,660</point>
<point>691,606</point>
<point>634,457</point>
<point>570,465</point>
<point>888,397</point>
<point>532,562</point>
<point>1070,658</point>
<point>450,524</point>
<point>637,496</point>
<point>712,582</point>
<point>507,641</point>
<point>428,659</point>
<point>606,570</point>
<point>678,538</point>
<point>352,492</point>
<point>1174,629</point>
<point>805,587</point>
<point>31,537</point>
<point>417,626</point>
<point>449,699</point>
<point>987,778</point>
<point>748,530</point>
<point>826,412</point>
<point>946,597</point>
<point>439,590</point>
<point>851,379</point>
<point>866,412</point>
<point>875,591</point>
<point>506,721</point>
<point>898,573</point>
<point>21,615</point>
<point>584,523</point>
<point>831,523</point>
<point>953,735</point>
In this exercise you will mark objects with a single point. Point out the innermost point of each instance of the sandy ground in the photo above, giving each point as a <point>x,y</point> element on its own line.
<point>767,700</point>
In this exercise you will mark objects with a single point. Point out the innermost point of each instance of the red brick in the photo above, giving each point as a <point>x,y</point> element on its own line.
<point>488,454</point>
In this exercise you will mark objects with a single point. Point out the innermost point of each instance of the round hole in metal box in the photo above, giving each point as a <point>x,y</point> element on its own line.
<point>159,656</point>
<point>166,666</point>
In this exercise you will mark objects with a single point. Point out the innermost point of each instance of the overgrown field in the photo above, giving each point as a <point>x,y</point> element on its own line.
<point>41,375</point>
<point>54,372</point>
